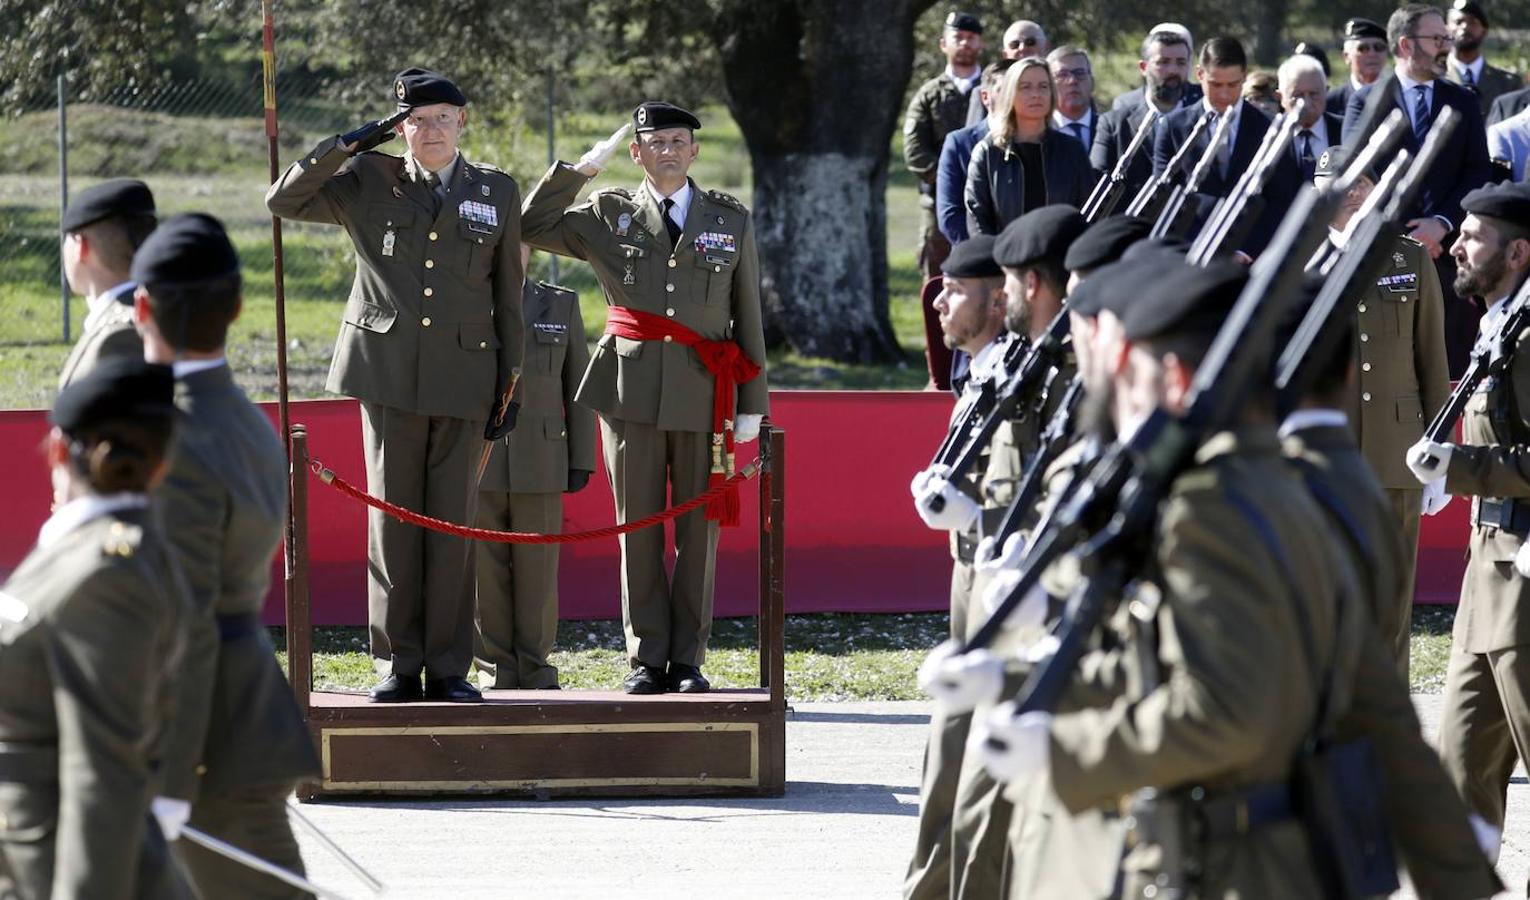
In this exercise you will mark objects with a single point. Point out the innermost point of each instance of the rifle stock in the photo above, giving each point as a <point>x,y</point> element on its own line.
<point>1234,215</point>
<point>1174,220</point>
<point>1150,199</point>
<point>1108,190</point>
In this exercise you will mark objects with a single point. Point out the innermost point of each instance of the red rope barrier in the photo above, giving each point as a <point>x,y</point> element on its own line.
<point>522,537</point>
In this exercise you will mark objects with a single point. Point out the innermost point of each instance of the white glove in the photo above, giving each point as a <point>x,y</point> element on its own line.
<point>172,815</point>
<point>1032,611</point>
<point>1428,460</point>
<point>961,682</point>
<point>1008,558</point>
<point>1012,747</point>
<point>746,427</point>
<point>957,511</point>
<point>1488,837</point>
<point>592,162</point>
<point>1435,498</point>
<point>1042,650</point>
<point>1522,560</point>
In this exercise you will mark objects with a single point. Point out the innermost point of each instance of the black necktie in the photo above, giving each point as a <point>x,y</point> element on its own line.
<point>437,192</point>
<point>1421,120</point>
<point>1304,160</point>
<point>669,224</point>
<point>1467,78</point>
<point>1078,132</point>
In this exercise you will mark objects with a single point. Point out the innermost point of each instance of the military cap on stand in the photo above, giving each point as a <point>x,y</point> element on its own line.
<point>973,258</point>
<point>421,87</point>
<point>1044,233</point>
<point>1357,28</point>
<point>1510,200</point>
<point>964,21</point>
<point>652,115</point>
<point>1184,300</point>
<point>1105,241</point>
<point>188,249</point>
<point>1334,159</point>
<point>1472,8</point>
<point>116,389</point>
<point>126,197</point>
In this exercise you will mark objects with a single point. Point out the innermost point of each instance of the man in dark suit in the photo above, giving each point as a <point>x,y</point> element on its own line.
<point>1365,52</point>
<point>1420,45</point>
<point>1469,26</point>
<point>1165,67</point>
<point>1222,68</point>
<point>1073,77</point>
<point>1301,78</point>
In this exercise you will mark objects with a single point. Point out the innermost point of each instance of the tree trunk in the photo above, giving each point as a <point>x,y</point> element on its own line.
<point>1269,29</point>
<point>817,89</point>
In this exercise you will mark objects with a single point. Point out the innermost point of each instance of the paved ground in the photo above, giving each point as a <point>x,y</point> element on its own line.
<point>843,829</point>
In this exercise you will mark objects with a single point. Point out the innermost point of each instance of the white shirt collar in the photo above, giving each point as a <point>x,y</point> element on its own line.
<point>1494,312</point>
<point>1061,122</point>
<point>1232,111</point>
<point>965,85</point>
<point>1313,418</point>
<point>1475,67</point>
<point>1354,83</point>
<point>109,296</point>
<point>987,359</point>
<point>446,173</point>
<point>83,509</point>
<point>185,367</point>
<point>682,199</point>
<point>1407,84</point>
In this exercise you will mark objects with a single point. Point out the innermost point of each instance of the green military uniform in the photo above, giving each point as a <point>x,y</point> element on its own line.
<point>937,108</point>
<point>107,333</point>
<point>431,333</point>
<point>1490,85</point>
<point>240,742</point>
<point>655,398</point>
<point>1427,816</point>
<point>522,490</point>
<point>91,633</point>
<point>1401,379</point>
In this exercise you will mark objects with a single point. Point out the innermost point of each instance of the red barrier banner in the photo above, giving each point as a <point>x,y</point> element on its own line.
<point>854,543</point>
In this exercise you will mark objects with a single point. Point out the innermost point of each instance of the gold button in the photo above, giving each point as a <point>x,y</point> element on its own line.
<point>670,288</point>
<point>1366,396</point>
<point>430,292</point>
<point>670,311</point>
<point>672,262</point>
<point>717,268</point>
<point>1362,307</point>
<point>668,338</point>
<point>313,160</point>
<point>1404,299</point>
<point>433,235</point>
<point>1365,367</point>
<point>1364,337</point>
<point>425,321</point>
<point>201,770</point>
<point>483,345</point>
<point>562,432</point>
<point>430,264</point>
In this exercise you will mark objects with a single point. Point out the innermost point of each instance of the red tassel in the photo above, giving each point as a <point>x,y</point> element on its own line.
<point>724,508</point>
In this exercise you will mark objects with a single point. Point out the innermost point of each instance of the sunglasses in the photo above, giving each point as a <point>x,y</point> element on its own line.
<point>1371,47</point>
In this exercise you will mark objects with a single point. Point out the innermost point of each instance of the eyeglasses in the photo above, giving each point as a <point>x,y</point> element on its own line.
<point>1371,47</point>
<point>443,119</point>
<point>1070,74</point>
<point>1026,42</point>
<point>1440,40</point>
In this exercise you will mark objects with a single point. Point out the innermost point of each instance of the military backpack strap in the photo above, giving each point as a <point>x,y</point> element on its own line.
<point>1335,507</point>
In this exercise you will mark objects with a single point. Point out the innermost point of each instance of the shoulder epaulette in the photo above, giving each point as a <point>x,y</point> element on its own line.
<point>727,200</point>
<point>122,539</point>
<point>612,191</point>
<point>556,288</point>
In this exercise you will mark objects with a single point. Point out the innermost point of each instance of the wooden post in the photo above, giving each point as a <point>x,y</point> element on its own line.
<point>773,564</point>
<point>299,614</point>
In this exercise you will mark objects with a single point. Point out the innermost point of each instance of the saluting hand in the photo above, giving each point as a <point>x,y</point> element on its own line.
<point>360,140</point>
<point>592,162</point>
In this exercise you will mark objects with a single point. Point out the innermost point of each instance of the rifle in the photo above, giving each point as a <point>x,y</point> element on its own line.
<point>976,407</point>
<point>1108,190</point>
<point>1044,354</point>
<point>1054,438</point>
<point>1235,214</point>
<point>1151,197</point>
<point>1490,355</point>
<point>1173,220</point>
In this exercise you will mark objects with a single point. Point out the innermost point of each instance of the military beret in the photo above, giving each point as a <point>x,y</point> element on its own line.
<point>973,258</point>
<point>1333,160</point>
<point>1358,28</point>
<point>653,115</point>
<point>1157,248</point>
<point>1510,200</point>
<point>1316,51</point>
<point>1040,234</point>
<point>115,389</point>
<point>964,21</point>
<point>1107,287</point>
<point>1105,241</point>
<point>117,197</point>
<point>1471,8</point>
<point>1184,300</point>
<point>188,249</point>
<point>421,87</point>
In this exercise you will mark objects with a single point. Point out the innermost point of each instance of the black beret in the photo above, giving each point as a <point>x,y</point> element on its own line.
<point>1115,285</point>
<point>1158,247</point>
<point>1333,160</point>
<point>1510,200</point>
<point>1184,299</point>
<point>1358,28</point>
<point>421,87</point>
<point>117,197</point>
<point>973,258</point>
<point>1471,8</point>
<point>964,21</point>
<point>1316,51</point>
<point>1040,234</point>
<point>1105,241</point>
<point>116,389</point>
<point>188,249</point>
<point>653,115</point>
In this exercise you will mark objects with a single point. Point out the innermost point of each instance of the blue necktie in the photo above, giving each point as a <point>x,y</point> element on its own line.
<point>1078,132</point>
<point>1420,113</point>
<point>1304,160</point>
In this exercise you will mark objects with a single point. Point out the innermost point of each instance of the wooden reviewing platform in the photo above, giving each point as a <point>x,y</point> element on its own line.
<point>554,743</point>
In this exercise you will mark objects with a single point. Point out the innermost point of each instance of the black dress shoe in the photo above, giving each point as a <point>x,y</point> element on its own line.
<point>453,689</point>
<point>644,680</point>
<point>685,679</point>
<point>396,688</point>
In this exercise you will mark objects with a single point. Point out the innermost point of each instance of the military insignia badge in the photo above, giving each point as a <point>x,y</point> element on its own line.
<point>642,115</point>
<point>623,224</point>
<point>398,89</point>
<point>483,189</point>
<point>480,217</point>
<point>714,240</point>
<point>1398,260</point>
<point>1399,284</point>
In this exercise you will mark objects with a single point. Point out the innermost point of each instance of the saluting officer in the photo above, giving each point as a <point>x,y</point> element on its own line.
<point>681,276</point>
<point>550,454</point>
<point>91,631</point>
<point>430,340</point>
<point>239,743</point>
<point>102,228</point>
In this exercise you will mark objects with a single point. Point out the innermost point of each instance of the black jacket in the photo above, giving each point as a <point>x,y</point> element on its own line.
<point>996,180</point>
<point>1114,133</point>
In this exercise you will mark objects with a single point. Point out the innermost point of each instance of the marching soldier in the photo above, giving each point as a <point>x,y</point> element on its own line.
<point>1485,727</point>
<point>680,273</point>
<point>552,453</point>
<point>1399,346</point>
<point>102,228</point>
<point>239,745</point>
<point>92,625</point>
<point>430,341</point>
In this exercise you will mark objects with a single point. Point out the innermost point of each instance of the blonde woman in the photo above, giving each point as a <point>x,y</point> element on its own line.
<point>1024,164</point>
